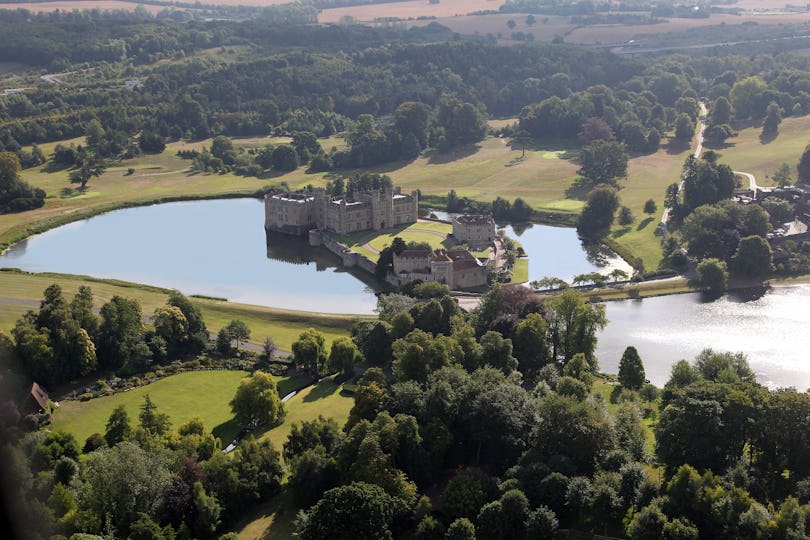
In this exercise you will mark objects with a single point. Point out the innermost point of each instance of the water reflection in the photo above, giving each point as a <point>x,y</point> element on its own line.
<point>769,327</point>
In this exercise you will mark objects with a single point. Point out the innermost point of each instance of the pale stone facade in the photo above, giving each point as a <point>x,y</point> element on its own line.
<point>296,213</point>
<point>477,231</point>
<point>458,269</point>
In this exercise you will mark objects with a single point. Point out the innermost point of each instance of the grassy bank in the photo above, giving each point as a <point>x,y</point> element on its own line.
<point>21,291</point>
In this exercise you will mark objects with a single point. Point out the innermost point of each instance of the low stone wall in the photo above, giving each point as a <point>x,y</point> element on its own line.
<point>348,257</point>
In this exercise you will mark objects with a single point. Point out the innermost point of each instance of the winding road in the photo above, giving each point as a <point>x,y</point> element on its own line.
<point>752,182</point>
<point>698,150</point>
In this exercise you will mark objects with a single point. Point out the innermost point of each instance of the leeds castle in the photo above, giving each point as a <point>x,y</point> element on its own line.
<point>317,214</point>
<point>297,213</point>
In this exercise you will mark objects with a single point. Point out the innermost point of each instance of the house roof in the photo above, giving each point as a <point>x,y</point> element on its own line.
<point>40,395</point>
<point>475,219</point>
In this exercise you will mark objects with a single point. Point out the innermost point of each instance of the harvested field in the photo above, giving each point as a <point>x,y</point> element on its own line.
<point>404,10</point>
<point>70,5</point>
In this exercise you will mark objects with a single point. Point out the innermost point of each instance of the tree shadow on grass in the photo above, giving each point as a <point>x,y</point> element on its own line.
<point>768,137</point>
<point>460,152</point>
<point>644,223</point>
<point>620,232</point>
<point>323,389</point>
<point>675,147</point>
<point>227,431</point>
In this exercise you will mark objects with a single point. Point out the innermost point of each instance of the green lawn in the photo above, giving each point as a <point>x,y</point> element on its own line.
<point>199,393</point>
<point>20,292</point>
<point>520,273</point>
<point>326,398</point>
<point>414,232</point>
<point>748,153</point>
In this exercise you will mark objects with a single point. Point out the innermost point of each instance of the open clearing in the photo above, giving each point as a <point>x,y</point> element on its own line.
<point>22,292</point>
<point>748,153</point>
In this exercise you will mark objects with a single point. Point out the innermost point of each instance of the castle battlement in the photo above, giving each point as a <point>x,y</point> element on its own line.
<point>297,213</point>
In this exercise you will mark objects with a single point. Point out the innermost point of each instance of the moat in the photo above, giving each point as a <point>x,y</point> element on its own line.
<point>219,248</point>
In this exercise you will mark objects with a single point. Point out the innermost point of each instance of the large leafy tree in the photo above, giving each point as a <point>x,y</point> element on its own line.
<point>357,510</point>
<point>573,324</point>
<point>597,215</point>
<point>257,400</point>
<point>603,162</point>
<point>753,257</point>
<point>120,336</point>
<point>309,351</point>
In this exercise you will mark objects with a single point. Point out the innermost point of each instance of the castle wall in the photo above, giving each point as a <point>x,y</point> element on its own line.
<point>289,214</point>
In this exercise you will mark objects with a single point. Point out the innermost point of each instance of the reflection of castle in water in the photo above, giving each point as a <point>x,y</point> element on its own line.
<point>295,250</point>
<point>285,248</point>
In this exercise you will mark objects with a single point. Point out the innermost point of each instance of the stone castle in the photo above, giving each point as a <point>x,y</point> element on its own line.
<point>318,214</point>
<point>456,268</point>
<point>297,213</point>
<point>477,231</point>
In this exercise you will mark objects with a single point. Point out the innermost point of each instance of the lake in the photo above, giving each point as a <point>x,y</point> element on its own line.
<point>219,248</point>
<point>557,251</point>
<point>772,329</point>
<point>216,248</point>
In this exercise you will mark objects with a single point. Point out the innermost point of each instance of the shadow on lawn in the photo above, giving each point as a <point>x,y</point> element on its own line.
<point>644,223</point>
<point>323,389</point>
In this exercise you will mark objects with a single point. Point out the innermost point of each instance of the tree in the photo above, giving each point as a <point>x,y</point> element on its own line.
<point>603,162</point>
<point>597,215</point>
<point>206,511</point>
<point>573,325</point>
<point>285,158</point>
<point>257,400</point>
<point>309,351</point>
<point>773,117</point>
<point>172,326</point>
<point>81,309</point>
<point>712,276</point>
<point>803,168</point>
<point>343,356</point>
<point>721,112</point>
<point>238,331</point>
<point>595,128</point>
<point>118,428</point>
<point>631,370</point>
<point>120,333</point>
<point>753,257</point>
<point>684,128</point>
<point>151,142</point>
<point>783,175</point>
<point>625,216</point>
<point>650,207</point>
<point>745,97</point>
<point>123,481</point>
<point>530,343</point>
<point>511,24</point>
<point>460,529</point>
<point>222,148</point>
<point>89,165</point>
<point>357,510</point>
<point>154,422</point>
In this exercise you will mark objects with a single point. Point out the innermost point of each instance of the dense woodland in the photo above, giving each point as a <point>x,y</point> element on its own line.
<point>483,425</point>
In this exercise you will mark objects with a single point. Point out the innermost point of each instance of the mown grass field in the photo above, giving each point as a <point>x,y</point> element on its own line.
<point>20,292</point>
<point>199,393</point>
<point>749,153</point>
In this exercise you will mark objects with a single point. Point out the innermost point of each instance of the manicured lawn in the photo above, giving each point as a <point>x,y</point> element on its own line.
<point>520,273</point>
<point>432,232</point>
<point>200,393</point>
<point>748,153</point>
<point>325,398</point>
<point>20,292</point>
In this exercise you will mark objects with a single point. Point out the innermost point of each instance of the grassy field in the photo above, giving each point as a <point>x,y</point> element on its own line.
<point>199,393</point>
<point>326,398</point>
<point>748,153</point>
<point>20,292</point>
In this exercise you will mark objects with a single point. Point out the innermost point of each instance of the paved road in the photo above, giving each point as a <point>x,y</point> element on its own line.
<point>698,151</point>
<point>752,182</point>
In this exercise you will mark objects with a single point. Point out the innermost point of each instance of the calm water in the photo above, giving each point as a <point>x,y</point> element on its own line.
<point>771,328</point>
<point>216,248</point>
<point>558,251</point>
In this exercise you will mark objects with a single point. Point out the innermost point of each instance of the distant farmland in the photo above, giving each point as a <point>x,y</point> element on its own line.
<point>409,9</point>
